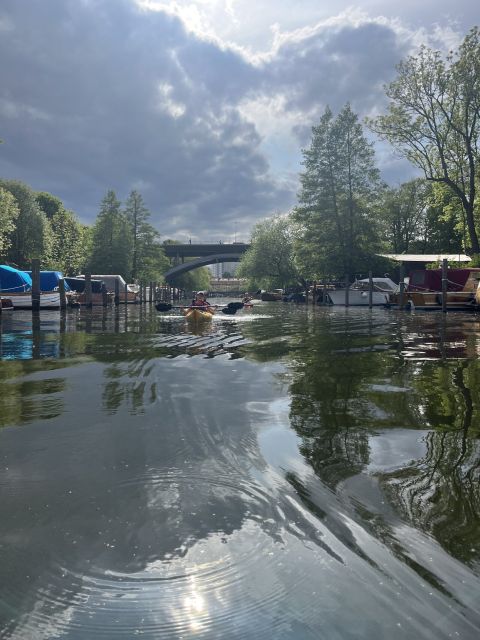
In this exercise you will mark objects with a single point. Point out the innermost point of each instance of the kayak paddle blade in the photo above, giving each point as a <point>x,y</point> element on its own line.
<point>229,311</point>
<point>163,306</point>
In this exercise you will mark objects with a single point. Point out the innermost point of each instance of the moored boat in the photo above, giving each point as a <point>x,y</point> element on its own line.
<point>424,290</point>
<point>100,295</point>
<point>271,296</point>
<point>17,285</point>
<point>358,293</point>
<point>126,292</point>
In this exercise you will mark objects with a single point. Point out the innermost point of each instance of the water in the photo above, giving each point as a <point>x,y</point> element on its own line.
<point>284,473</point>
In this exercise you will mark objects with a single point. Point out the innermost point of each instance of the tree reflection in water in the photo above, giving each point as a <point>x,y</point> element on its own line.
<point>350,382</point>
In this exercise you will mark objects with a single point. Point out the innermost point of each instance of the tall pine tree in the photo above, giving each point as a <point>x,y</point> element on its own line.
<point>148,258</point>
<point>337,215</point>
<point>111,240</point>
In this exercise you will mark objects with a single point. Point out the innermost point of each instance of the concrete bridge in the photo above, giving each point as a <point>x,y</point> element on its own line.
<point>204,254</point>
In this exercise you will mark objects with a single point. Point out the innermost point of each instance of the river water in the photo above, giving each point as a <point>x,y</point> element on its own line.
<point>286,473</point>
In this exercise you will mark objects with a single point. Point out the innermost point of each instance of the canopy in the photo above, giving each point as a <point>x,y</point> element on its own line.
<point>13,280</point>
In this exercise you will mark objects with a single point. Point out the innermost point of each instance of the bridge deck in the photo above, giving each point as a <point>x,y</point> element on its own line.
<point>202,250</point>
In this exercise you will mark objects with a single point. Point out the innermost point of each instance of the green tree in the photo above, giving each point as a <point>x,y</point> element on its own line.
<point>148,258</point>
<point>8,214</point>
<point>405,210</point>
<point>443,228</point>
<point>32,235</point>
<point>195,280</point>
<point>433,119</point>
<point>49,203</point>
<point>338,213</point>
<point>269,262</point>
<point>111,239</point>
<point>67,251</point>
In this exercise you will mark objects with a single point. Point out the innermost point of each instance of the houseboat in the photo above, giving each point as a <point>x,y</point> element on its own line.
<point>424,290</point>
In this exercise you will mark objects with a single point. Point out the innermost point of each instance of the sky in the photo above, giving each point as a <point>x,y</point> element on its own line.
<point>203,106</point>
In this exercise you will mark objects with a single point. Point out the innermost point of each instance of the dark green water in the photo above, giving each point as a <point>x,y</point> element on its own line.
<point>286,473</point>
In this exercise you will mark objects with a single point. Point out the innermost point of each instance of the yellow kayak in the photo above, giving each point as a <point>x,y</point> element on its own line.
<point>198,315</point>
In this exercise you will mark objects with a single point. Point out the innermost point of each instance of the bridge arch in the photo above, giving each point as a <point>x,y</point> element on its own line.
<point>201,262</point>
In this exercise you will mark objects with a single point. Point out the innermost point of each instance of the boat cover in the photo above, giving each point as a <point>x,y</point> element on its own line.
<point>78,284</point>
<point>49,280</point>
<point>13,280</point>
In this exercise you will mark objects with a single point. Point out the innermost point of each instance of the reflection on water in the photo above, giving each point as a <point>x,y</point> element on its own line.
<point>287,473</point>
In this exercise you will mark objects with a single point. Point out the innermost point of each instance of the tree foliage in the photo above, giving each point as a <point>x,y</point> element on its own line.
<point>338,217</point>
<point>32,234</point>
<point>405,210</point>
<point>433,119</point>
<point>111,239</point>
<point>149,262</point>
<point>194,280</point>
<point>8,215</point>
<point>269,262</point>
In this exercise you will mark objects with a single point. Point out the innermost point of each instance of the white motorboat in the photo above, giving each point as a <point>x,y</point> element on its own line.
<point>358,294</point>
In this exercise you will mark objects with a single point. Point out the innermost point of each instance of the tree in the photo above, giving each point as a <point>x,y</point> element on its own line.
<point>194,280</point>
<point>149,262</point>
<point>338,215</point>
<point>433,120</point>
<point>67,251</point>
<point>32,235</point>
<point>111,239</point>
<point>269,262</point>
<point>8,214</point>
<point>405,210</point>
<point>49,203</point>
<point>443,228</point>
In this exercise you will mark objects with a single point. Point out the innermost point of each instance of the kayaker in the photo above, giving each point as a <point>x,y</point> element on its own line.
<point>200,300</point>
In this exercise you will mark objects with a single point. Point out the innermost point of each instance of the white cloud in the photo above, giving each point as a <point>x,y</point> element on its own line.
<point>167,103</point>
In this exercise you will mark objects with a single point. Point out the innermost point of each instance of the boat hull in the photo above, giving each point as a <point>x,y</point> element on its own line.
<point>198,315</point>
<point>267,296</point>
<point>432,300</point>
<point>357,298</point>
<point>50,300</point>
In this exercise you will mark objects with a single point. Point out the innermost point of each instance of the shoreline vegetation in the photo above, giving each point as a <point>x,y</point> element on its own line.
<point>345,216</point>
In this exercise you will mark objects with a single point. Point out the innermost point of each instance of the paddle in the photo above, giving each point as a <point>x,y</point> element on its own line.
<point>231,308</point>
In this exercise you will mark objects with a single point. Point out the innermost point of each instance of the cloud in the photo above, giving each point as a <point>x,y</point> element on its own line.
<point>104,94</point>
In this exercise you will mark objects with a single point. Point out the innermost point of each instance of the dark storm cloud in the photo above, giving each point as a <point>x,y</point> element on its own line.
<point>99,95</point>
<point>96,94</point>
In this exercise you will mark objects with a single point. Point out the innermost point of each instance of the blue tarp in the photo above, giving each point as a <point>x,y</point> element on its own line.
<point>14,281</point>
<point>49,280</point>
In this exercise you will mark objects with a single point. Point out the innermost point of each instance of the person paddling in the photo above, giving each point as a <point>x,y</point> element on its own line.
<point>200,300</point>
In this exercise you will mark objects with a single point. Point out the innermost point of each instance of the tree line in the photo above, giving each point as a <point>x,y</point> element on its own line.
<point>346,215</point>
<point>122,240</point>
